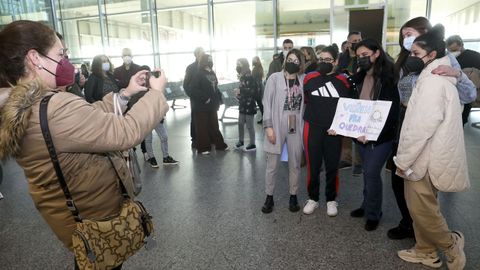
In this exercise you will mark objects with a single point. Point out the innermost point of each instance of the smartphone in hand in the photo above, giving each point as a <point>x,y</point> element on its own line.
<point>155,74</point>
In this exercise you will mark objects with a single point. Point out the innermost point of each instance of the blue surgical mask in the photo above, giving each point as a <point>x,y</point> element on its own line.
<point>105,66</point>
<point>408,42</point>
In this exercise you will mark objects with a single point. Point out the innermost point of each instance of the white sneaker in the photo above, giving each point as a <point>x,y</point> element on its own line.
<point>455,255</point>
<point>332,208</point>
<point>310,206</point>
<point>205,153</point>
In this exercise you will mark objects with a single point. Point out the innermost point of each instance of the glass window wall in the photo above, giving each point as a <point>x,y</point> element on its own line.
<point>232,29</point>
<point>238,34</point>
<point>306,23</point>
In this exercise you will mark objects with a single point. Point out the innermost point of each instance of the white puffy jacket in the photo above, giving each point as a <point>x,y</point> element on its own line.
<point>431,139</point>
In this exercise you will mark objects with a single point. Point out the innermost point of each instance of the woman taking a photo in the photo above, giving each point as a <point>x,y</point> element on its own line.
<point>283,124</point>
<point>375,82</point>
<point>101,81</point>
<point>431,153</point>
<point>84,134</point>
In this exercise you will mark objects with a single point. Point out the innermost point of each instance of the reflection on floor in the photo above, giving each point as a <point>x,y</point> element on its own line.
<point>207,216</point>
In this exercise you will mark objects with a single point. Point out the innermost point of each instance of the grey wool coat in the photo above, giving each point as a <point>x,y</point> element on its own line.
<point>273,113</point>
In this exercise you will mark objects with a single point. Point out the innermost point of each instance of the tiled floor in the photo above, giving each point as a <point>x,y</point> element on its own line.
<point>207,216</point>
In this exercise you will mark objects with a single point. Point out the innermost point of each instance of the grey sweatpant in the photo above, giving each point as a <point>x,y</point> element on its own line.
<point>295,150</point>
<point>162,134</point>
<point>242,120</point>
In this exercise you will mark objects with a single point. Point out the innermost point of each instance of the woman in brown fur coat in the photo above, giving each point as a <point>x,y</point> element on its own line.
<point>33,66</point>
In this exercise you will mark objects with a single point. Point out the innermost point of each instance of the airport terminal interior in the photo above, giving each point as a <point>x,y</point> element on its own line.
<point>207,208</point>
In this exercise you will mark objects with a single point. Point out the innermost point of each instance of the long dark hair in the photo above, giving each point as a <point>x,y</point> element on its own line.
<point>300,57</point>
<point>257,68</point>
<point>433,41</point>
<point>244,65</point>
<point>16,39</point>
<point>97,65</point>
<point>383,66</point>
<point>422,25</point>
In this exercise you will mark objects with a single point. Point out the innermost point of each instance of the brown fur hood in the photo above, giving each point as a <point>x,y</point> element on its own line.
<point>15,110</point>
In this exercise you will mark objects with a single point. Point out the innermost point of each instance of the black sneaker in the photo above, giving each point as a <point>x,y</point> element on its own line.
<point>357,213</point>
<point>251,147</point>
<point>169,161</point>
<point>153,162</point>
<point>268,206</point>
<point>371,225</point>
<point>400,232</point>
<point>293,204</point>
<point>239,144</point>
<point>357,170</point>
<point>344,164</point>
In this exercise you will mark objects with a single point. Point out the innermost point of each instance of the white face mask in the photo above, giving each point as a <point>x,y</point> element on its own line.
<point>456,53</point>
<point>127,60</point>
<point>285,52</point>
<point>105,66</point>
<point>408,42</point>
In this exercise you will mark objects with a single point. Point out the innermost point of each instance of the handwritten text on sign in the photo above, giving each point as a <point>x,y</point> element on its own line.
<point>355,118</point>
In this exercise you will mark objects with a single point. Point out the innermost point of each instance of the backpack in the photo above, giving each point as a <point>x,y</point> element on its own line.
<point>474,75</point>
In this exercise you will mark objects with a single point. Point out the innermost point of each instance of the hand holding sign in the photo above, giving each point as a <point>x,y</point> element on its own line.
<point>360,118</point>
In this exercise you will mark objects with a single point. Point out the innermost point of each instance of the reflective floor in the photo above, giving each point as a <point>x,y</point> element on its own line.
<point>207,215</point>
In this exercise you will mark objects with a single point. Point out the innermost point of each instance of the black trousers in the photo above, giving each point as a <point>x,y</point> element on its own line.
<point>399,191</point>
<point>319,147</point>
<point>207,132</point>
<point>466,111</point>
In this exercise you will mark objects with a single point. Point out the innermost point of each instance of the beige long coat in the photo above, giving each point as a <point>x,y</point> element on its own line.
<point>82,133</point>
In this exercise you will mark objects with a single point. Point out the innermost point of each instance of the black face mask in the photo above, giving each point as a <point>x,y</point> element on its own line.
<point>414,64</point>
<point>364,63</point>
<point>292,68</point>
<point>325,68</point>
<point>239,69</point>
<point>353,46</point>
<point>210,64</point>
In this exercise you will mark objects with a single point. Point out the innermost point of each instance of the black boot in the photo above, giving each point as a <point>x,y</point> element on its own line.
<point>371,225</point>
<point>357,213</point>
<point>400,232</point>
<point>293,205</point>
<point>268,206</point>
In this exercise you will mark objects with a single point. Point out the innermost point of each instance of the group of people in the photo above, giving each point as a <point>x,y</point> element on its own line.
<point>103,79</point>
<point>422,135</point>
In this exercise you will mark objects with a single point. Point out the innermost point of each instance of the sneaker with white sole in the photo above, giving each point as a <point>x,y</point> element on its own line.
<point>153,162</point>
<point>455,255</point>
<point>169,161</point>
<point>310,206</point>
<point>332,208</point>
<point>251,147</point>
<point>428,259</point>
<point>205,153</point>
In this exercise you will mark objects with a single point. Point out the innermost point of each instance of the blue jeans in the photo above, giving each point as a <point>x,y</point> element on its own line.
<point>373,159</point>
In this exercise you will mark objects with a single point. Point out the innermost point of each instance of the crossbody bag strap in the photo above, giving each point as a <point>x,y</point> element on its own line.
<point>53,156</point>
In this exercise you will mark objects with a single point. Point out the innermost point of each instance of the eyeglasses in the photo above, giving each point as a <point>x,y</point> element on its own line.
<point>295,61</point>
<point>326,60</point>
